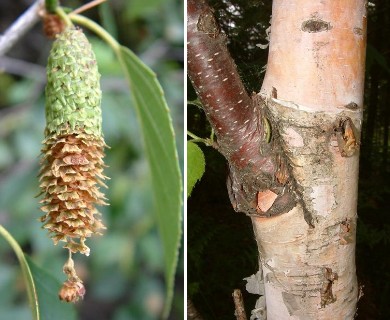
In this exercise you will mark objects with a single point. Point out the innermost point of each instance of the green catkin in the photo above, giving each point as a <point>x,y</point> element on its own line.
<point>73,94</point>
<point>73,150</point>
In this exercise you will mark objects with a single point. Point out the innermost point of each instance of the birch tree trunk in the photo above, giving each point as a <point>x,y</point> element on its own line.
<point>292,149</point>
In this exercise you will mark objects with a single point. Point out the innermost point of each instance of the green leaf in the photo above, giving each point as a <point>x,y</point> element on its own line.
<point>158,135</point>
<point>28,279</point>
<point>42,288</point>
<point>47,288</point>
<point>195,165</point>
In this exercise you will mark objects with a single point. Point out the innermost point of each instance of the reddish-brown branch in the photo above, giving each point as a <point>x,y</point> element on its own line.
<point>215,78</point>
<point>238,120</point>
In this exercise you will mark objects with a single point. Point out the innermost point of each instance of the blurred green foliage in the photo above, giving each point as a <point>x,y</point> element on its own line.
<point>124,275</point>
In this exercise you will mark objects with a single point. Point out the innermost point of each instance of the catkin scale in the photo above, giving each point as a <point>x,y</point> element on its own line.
<point>73,149</point>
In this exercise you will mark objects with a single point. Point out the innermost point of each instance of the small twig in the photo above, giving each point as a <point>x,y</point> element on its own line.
<point>94,27</point>
<point>22,68</point>
<point>88,6</point>
<point>239,305</point>
<point>196,103</point>
<point>212,134</point>
<point>195,138</point>
<point>192,313</point>
<point>61,13</point>
<point>20,27</point>
<point>51,5</point>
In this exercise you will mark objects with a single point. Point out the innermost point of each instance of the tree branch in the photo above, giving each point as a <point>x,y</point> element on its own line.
<point>23,68</point>
<point>20,27</point>
<point>257,167</point>
<point>192,313</point>
<point>239,305</point>
<point>214,76</point>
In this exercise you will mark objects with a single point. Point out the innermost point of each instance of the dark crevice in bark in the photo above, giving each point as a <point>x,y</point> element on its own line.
<point>256,162</point>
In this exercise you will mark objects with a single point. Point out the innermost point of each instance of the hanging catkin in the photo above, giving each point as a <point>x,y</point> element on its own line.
<point>72,154</point>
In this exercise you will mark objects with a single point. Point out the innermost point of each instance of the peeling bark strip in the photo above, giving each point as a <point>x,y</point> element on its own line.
<point>255,159</point>
<point>327,296</point>
<point>346,134</point>
<point>347,231</point>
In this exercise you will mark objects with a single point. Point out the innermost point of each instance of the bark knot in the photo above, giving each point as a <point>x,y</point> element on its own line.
<point>315,25</point>
<point>208,24</point>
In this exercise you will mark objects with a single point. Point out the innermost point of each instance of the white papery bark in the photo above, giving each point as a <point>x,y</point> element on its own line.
<point>315,76</point>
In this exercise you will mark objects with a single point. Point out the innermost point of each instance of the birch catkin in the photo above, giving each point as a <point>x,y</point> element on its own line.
<point>72,154</point>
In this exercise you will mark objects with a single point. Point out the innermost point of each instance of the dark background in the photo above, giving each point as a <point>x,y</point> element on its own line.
<point>124,274</point>
<point>221,247</point>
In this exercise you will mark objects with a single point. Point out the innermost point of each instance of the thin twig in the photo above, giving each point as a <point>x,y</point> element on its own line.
<point>94,27</point>
<point>20,27</point>
<point>61,13</point>
<point>192,313</point>
<point>88,6</point>
<point>239,305</point>
<point>195,138</point>
<point>22,68</point>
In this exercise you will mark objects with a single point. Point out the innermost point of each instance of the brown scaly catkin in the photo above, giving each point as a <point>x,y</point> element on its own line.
<point>73,149</point>
<point>71,172</point>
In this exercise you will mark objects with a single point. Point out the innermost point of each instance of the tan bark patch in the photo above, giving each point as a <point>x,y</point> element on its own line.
<point>265,200</point>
